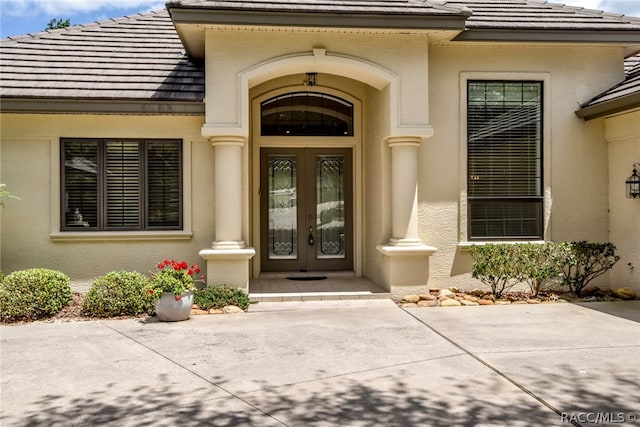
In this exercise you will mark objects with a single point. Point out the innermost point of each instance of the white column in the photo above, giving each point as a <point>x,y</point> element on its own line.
<point>404,190</point>
<point>228,257</point>
<point>228,191</point>
<point>405,260</point>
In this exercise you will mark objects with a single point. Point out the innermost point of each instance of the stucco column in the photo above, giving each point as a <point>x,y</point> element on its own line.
<point>404,190</point>
<point>404,259</point>
<point>228,191</point>
<point>228,257</point>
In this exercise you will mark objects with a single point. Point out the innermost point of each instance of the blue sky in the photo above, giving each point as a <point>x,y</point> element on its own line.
<point>25,16</point>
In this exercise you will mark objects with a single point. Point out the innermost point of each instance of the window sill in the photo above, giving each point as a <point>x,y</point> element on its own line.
<point>465,246</point>
<point>119,236</point>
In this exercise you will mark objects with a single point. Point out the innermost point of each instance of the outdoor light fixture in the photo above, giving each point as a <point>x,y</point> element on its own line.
<point>633,183</point>
<point>311,79</point>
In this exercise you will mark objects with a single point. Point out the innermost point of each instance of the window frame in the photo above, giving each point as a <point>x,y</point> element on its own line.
<point>464,230</point>
<point>143,205</point>
<point>307,95</point>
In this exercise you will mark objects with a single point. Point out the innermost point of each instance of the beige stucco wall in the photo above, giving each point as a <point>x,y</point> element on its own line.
<point>622,134</point>
<point>575,152</point>
<point>266,53</point>
<point>377,169</point>
<point>30,167</point>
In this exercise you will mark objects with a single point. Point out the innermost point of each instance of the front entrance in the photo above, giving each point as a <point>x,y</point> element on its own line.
<point>306,209</point>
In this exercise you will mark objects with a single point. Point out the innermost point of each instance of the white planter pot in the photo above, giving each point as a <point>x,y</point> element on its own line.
<point>168,309</point>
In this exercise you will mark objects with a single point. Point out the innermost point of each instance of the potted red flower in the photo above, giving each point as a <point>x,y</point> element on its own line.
<point>172,286</point>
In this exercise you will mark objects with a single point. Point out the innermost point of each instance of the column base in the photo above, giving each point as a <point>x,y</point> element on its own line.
<point>405,242</point>
<point>405,268</point>
<point>228,266</point>
<point>228,244</point>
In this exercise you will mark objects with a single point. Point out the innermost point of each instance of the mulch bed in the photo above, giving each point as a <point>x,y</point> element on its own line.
<point>72,312</point>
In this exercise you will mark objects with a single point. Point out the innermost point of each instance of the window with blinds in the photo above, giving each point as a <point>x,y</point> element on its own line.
<point>110,184</point>
<point>504,152</point>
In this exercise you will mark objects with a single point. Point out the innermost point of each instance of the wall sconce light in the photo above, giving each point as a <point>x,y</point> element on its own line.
<point>311,79</point>
<point>633,183</point>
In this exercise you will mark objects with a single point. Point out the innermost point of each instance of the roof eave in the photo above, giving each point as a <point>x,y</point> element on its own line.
<point>617,105</point>
<point>549,35</point>
<point>100,106</point>
<point>182,15</point>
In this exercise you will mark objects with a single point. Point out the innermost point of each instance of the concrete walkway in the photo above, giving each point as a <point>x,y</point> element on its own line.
<point>330,363</point>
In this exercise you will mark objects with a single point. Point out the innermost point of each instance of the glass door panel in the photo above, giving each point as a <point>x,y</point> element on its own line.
<point>330,218</point>
<point>282,215</point>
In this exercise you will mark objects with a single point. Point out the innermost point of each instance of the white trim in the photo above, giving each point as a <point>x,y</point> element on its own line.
<point>465,246</point>
<point>118,236</point>
<point>545,78</point>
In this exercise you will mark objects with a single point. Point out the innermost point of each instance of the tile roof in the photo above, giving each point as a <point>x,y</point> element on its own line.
<point>534,14</point>
<point>142,58</point>
<point>367,7</point>
<point>485,14</point>
<point>621,97</point>
<point>135,57</point>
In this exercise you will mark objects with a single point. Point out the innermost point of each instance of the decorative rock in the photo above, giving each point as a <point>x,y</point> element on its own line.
<point>197,311</point>
<point>216,311</point>
<point>428,303</point>
<point>518,302</point>
<point>502,302</point>
<point>446,292</point>
<point>533,301</point>
<point>427,297</point>
<point>409,305</point>
<point>477,293</point>
<point>468,303</point>
<point>454,290</point>
<point>444,297</point>
<point>450,303</point>
<point>485,302</point>
<point>625,293</point>
<point>470,298</point>
<point>434,290</point>
<point>232,309</point>
<point>411,298</point>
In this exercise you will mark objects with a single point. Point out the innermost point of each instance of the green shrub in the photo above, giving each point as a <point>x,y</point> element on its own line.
<point>495,266</point>
<point>536,265</point>
<point>581,262</point>
<point>33,294</point>
<point>220,296</point>
<point>119,293</point>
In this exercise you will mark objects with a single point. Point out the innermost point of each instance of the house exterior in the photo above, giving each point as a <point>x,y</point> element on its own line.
<point>381,139</point>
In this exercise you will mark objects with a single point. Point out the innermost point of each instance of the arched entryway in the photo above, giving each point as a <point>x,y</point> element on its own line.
<point>306,180</point>
<point>385,242</point>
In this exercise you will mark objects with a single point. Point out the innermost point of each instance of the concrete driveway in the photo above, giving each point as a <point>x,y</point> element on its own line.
<point>340,363</point>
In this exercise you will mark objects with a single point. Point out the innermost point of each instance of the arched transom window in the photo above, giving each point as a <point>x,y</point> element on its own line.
<point>306,114</point>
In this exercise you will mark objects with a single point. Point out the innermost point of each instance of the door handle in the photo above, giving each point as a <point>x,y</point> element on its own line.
<point>311,239</point>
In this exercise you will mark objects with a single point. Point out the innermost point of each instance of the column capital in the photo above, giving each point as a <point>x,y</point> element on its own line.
<point>228,140</point>
<point>408,140</point>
